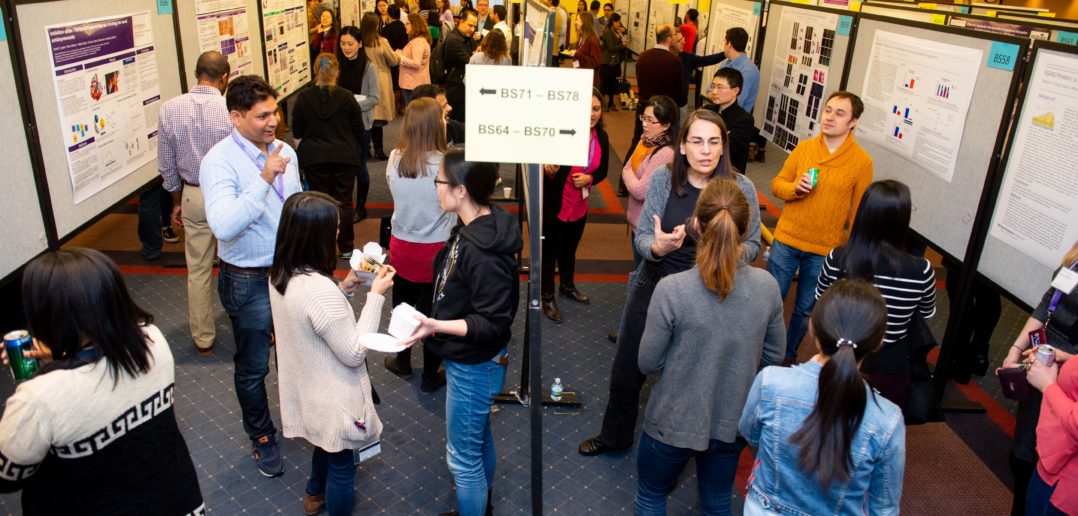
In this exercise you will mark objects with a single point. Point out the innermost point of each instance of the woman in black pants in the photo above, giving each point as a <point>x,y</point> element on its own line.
<point>613,43</point>
<point>565,211</point>
<point>359,77</point>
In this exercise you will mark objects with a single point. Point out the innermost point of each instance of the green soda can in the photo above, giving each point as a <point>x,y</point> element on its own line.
<point>15,343</point>
<point>814,175</point>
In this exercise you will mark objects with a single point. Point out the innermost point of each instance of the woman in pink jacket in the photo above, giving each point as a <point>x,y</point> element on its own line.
<point>660,122</point>
<point>414,58</point>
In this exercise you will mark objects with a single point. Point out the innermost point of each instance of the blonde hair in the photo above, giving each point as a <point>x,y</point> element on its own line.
<point>723,216</point>
<point>1071,256</point>
<point>326,69</point>
<point>422,132</point>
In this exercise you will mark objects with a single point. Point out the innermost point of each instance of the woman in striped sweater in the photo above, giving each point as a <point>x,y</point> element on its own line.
<point>875,252</point>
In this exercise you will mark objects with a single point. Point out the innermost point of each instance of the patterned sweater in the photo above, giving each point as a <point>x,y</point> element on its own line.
<point>111,448</point>
<point>814,223</point>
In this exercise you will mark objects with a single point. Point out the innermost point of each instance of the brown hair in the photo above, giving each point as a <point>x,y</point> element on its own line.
<point>326,69</point>
<point>422,132</point>
<point>587,26</point>
<point>856,105</point>
<point>494,46</point>
<point>723,215</point>
<point>368,30</point>
<point>420,29</point>
<point>679,172</point>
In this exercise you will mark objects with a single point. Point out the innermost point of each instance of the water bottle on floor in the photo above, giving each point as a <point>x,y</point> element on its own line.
<point>556,390</point>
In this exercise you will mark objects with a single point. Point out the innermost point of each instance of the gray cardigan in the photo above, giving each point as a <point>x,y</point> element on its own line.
<point>659,192</point>
<point>370,89</point>
<point>708,352</point>
<point>418,218</point>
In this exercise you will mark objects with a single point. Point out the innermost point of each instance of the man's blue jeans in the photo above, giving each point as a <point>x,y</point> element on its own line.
<point>470,391</point>
<point>658,466</point>
<point>334,475</point>
<point>784,262</point>
<point>246,299</point>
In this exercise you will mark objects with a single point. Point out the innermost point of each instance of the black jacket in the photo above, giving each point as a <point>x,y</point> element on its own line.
<point>458,50</point>
<point>482,287</point>
<point>688,63</point>
<point>396,33</point>
<point>329,123</point>
<point>740,124</point>
<point>352,71</point>
<point>454,132</point>
<point>553,186</point>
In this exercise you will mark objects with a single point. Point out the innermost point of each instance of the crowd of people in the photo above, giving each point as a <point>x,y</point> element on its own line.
<point>828,433</point>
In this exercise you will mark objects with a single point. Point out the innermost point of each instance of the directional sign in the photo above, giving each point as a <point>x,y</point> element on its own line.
<point>522,114</point>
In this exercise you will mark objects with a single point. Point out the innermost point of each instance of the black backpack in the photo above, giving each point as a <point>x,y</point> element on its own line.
<point>437,61</point>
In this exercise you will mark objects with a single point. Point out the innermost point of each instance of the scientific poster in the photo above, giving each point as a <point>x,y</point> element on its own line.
<point>659,12</point>
<point>917,93</point>
<point>1037,212</point>
<point>536,39</point>
<point>222,26</point>
<point>799,72</point>
<point>288,57</point>
<point>636,21</point>
<point>108,97</point>
<point>350,13</point>
<point>725,16</point>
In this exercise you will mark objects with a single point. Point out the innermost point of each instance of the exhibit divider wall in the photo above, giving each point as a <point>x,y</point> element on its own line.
<point>727,14</point>
<point>1063,30</point>
<point>226,26</point>
<point>1034,212</point>
<point>804,58</point>
<point>101,71</point>
<point>28,229</point>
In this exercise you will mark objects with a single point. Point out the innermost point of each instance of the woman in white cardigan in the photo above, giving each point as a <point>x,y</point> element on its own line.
<point>325,391</point>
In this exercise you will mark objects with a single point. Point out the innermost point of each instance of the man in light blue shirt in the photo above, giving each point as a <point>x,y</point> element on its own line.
<point>736,41</point>
<point>245,180</point>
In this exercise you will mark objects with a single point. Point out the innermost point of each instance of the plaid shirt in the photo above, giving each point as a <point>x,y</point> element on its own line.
<point>188,126</point>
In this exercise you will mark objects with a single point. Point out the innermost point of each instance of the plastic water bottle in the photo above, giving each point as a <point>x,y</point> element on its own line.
<point>556,389</point>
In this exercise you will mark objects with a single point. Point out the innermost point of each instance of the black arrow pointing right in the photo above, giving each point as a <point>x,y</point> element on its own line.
<point>570,132</point>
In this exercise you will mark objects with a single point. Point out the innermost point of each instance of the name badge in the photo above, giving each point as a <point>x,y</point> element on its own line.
<point>366,453</point>
<point>1038,337</point>
<point>1065,280</point>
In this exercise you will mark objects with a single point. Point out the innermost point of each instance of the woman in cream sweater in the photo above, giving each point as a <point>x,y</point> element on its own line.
<point>325,390</point>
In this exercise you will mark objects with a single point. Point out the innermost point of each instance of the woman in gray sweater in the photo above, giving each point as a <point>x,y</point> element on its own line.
<point>708,330</point>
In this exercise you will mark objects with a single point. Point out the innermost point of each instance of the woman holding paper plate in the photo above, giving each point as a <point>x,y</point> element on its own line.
<point>475,300</point>
<point>325,389</point>
<point>358,76</point>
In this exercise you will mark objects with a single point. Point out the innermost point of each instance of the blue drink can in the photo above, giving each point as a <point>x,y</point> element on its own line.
<point>15,343</point>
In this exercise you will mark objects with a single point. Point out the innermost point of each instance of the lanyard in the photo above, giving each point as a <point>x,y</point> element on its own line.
<point>277,188</point>
<point>1055,299</point>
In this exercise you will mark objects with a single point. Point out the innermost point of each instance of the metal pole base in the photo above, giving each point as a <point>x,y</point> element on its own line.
<point>568,399</point>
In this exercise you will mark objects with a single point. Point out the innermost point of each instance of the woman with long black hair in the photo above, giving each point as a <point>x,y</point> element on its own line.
<point>820,432</point>
<point>667,248</point>
<point>94,430</point>
<point>358,76</point>
<point>876,253</point>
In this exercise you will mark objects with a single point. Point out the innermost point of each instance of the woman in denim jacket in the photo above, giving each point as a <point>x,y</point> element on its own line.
<point>837,448</point>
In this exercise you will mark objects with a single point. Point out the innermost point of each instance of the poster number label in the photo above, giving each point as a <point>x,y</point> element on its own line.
<point>1003,56</point>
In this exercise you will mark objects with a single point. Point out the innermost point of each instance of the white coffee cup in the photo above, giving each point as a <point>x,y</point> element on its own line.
<point>507,191</point>
<point>402,324</point>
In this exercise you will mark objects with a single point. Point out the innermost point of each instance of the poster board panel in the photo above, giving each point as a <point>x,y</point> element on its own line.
<point>803,61</point>
<point>945,204</point>
<point>1035,220</point>
<point>659,12</point>
<point>23,235</point>
<point>636,21</point>
<point>228,26</point>
<point>72,211</point>
<point>901,12</point>
<point>287,49</point>
<point>727,14</point>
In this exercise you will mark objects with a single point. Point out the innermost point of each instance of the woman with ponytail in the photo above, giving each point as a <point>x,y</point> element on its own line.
<point>662,239</point>
<point>327,125</point>
<point>821,433</point>
<point>681,342</point>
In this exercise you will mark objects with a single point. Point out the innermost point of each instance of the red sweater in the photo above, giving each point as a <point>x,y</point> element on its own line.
<point>658,72</point>
<point>1057,438</point>
<point>588,54</point>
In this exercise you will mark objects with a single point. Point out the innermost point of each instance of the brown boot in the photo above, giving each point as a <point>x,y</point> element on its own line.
<point>550,309</point>
<point>313,504</point>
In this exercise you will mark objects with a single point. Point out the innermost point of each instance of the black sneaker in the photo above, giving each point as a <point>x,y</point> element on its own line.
<point>268,457</point>
<point>170,236</point>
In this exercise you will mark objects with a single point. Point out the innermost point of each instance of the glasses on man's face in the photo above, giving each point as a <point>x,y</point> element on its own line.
<point>441,182</point>
<point>647,120</point>
<point>718,87</point>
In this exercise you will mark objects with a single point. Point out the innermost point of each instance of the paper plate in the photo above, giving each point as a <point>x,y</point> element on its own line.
<point>381,342</point>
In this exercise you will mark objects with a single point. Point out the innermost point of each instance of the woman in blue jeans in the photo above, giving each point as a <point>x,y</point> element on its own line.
<point>681,343</point>
<point>475,300</point>
<point>826,443</point>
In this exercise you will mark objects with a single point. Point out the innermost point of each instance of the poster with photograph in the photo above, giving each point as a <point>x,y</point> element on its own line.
<point>1037,212</point>
<point>917,93</point>
<point>350,13</point>
<point>222,26</point>
<point>799,74</point>
<point>108,96</point>
<point>288,53</point>
<point>537,42</point>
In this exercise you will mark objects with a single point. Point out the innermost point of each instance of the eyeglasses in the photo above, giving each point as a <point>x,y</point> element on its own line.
<point>719,87</point>
<point>648,121</point>
<point>440,182</point>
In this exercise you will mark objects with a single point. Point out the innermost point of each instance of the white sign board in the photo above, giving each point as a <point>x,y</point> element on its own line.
<point>520,114</point>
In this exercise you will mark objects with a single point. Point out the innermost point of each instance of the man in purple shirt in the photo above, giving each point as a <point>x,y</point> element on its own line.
<point>188,126</point>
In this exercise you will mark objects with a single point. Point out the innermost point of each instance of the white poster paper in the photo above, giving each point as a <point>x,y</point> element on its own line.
<point>222,26</point>
<point>799,73</point>
<point>1037,212</point>
<point>726,17</point>
<point>537,41</point>
<point>107,92</point>
<point>635,20</point>
<point>659,12</point>
<point>350,13</point>
<point>288,53</point>
<point>917,93</point>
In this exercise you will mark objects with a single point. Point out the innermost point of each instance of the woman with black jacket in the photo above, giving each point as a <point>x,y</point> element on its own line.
<point>565,211</point>
<point>327,125</point>
<point>475,300</point>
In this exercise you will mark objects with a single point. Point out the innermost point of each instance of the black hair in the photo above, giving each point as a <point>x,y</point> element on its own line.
<point>430,91</point>
<point>466,12</point>
<point>734,79</point>
<point>306,238</point>
<point>555,2</point>
<point>614,17</point>
<point>76,299</point>
<point>692,15</point>
<point>211,65</point>
<point>477,177</point>
<point>246,91</point>
<point>848,323</point>
<point>666,112</point>
<point>594,4</point>
<point>598,94</point>
<point>394,12</point>
<point>500,11</point>
<point>856,104</point>
<point>738,38</point>
<point>878,235</point>
<point>679,173</point>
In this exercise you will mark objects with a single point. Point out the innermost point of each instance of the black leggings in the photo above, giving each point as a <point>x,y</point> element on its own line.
<point>608,76</point>
<point>560,241</point>
<point>420,296</point>
<point>335,180</point>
